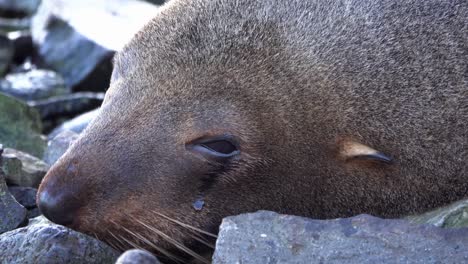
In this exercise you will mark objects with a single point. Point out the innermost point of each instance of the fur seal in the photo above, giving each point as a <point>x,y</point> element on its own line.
<point>316,108</point>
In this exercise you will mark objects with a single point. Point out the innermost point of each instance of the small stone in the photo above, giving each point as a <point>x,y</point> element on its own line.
<point>359,239</point>
<point>77,124</point>
<point>137,256</point>
<point>26,196</point>
<point>23,169</point>
<point>34,85</point>
<point>450,216</point>
<point>12,214</point>
<point>58,145</point>
<point>43,242</point>
<point>20,126</point>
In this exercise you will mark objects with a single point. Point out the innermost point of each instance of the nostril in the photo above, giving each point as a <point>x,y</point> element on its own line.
<point>60,209</point>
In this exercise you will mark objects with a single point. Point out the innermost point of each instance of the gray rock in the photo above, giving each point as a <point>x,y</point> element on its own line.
<point>6,54</point>
<point>267,237</point>
<point>12,214</point>
<point>14,24</point>
<point>26,7</point>
<point>23,169</point>
<point>68,105</point>
<point>454,215</point>
<point>82,50</point>
<point>39,220</point>
<point>20,126</point>
<point>137,256</point>
<point>33,212</point>
<point>26,196</point>
<point>58,145</point>
<point>34,85</point>
<point>77,124</point>
<point>156,2</point>
<point>50,243</point>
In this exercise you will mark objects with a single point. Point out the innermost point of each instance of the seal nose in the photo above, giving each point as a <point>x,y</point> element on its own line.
<point>60,209</point>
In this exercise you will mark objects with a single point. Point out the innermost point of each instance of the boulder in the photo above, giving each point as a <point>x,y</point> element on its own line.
<point>59,145</point>
<point>77,124</point>
<point>80,49</point>
<point>267,237</point>
<point>23,169</point>
<point>6,54</point>
<point>44,242</point>
<point>35,84</point>
<point>20,126</point>
<point>137,256</point>
<point>12,214</point>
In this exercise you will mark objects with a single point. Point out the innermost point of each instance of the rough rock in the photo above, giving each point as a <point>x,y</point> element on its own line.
<point>20,126</point>
<point>77,124</point>
<point>12,214</point>
<point>267,237</point>
<point>43,242</point>
<point>6,54</point>
<point>25,7</point>
<point>137,256</point>
<point>23,169</point>
<point>26,196</point>
<point>33,85</point>
<point>81,51</point>
<point>454,215</point>
<point>68,105</point>
<point>14,24</point>
<point>58,145</point>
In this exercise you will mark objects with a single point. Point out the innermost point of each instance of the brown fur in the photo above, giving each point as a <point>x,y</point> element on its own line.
<point>290,80</point>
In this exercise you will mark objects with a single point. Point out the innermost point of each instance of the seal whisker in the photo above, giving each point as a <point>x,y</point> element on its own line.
<point>140,237</point>
<point>176,243</point>
<point>186,225</point>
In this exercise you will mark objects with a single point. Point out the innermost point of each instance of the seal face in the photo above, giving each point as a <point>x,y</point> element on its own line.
<point>316,108</point>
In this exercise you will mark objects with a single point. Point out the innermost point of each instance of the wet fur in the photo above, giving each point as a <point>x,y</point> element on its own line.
<point>292,80</point>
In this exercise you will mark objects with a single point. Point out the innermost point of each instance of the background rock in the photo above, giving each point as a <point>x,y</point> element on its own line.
<point>52,244</point>
<point>12,214</point>
<point>58,145</point>
<point>137,256</point>
<point>23,169</point>
<point>6,54</point>
<point>23,45</point>
<point>21,7</point>
<point>267,237</point>
<point>77,124</point>
<point>14,24</point>
<point>33,85</point>
<point>20,126</point>
<point>454,215</point>
<point>82,51</point>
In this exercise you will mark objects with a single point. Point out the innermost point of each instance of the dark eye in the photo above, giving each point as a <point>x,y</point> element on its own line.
<point>222,147</point>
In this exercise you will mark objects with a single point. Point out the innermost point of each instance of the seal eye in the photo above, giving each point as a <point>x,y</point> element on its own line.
<point>222,147</point>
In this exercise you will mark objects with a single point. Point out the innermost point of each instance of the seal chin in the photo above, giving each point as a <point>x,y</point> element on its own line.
<point>59,208</point>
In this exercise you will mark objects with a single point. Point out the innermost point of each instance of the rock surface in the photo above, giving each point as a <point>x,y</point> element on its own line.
<point>43,242</point>
<point>26,196</point>
<point>267,237</point>
<point>33,85</point>
<point>77,124</point>
<point>137,256</point>
<point>58,145</point>
<point>25,7</point>
<point>454,215</point>
<point>23,169</point>
<point>12,214</point>
<point>7,51</point>
<point>81,51</point>
<point>20,126</point>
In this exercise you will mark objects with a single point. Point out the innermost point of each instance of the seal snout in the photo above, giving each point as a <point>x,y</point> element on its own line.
<point>59,204</point>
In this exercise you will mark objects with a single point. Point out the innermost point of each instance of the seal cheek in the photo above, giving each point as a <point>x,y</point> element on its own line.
<point>58,203</point>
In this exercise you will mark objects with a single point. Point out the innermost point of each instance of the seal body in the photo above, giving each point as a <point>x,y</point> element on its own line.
<point>316,108</point>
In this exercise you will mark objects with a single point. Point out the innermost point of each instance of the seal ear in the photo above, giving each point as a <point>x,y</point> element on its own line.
<point>351,150</point>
